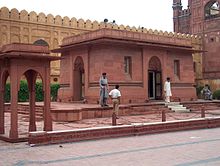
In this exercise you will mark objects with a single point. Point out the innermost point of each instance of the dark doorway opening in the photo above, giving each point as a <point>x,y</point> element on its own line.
<point>154,79</point>
<point>154,85</point>
<point>79,80</point>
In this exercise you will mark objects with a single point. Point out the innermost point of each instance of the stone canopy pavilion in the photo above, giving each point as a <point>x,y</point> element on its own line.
<point>139,62</point>
<point>17,60</point>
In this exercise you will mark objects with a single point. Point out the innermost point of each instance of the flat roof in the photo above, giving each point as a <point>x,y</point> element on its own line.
<point>28,51</point>
<point>116,36</point>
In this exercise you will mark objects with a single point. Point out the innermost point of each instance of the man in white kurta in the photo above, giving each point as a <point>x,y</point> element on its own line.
<point>167,90</point>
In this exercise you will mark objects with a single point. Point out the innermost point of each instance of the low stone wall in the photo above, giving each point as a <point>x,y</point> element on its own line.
<point>53,137</point>
<point>89,113</point>
<point>197,106</point>
<point>70,115</point>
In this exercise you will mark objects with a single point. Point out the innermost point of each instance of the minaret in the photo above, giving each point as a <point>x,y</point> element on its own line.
<point>177,7</point>
<point>189,3</point>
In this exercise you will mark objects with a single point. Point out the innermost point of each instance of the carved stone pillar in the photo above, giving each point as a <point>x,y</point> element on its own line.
<point>14,103</point>
<point>47,115</point>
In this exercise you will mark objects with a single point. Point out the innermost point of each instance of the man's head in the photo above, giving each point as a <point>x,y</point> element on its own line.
<point>168,79</point>
<point>116,86</point>
<point>103,75</point>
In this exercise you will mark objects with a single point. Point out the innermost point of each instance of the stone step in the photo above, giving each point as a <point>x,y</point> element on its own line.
<point>182,110</point>
<point>172,103</point>
<point>175,106</point>
<point>178,108</point>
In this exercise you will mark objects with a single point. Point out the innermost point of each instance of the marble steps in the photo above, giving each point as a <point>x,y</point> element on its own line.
<point>177,107</point>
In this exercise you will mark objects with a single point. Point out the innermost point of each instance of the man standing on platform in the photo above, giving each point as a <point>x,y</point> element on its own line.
<point>103,83</point>
<point>167,90</point>
<point>115,95</point>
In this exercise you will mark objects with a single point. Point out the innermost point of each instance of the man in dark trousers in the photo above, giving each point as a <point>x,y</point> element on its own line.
<point>103,83</point>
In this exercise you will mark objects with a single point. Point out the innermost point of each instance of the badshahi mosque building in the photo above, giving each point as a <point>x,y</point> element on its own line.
<point>195,28</point>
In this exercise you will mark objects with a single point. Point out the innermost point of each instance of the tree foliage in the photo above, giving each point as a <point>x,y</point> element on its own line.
<point>216,94</point>
<point>23,94</point>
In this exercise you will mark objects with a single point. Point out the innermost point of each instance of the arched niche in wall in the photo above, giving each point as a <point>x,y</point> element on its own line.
<point>155,64</point>
<point>212,9</point>
<point>41,42</point>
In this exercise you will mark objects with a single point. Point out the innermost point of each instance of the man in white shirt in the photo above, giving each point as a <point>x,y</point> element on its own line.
<point>167,90</point>
<point>115,95</point>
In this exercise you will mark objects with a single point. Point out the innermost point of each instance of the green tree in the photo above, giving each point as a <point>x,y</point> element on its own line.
<point>23,94</point>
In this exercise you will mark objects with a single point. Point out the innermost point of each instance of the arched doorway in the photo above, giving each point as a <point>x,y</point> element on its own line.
<point>154,79</point>
<point>79,80</point>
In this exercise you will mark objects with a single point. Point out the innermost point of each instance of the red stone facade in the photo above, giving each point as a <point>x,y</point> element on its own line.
<point>151,59</point>
<point>202,18</point>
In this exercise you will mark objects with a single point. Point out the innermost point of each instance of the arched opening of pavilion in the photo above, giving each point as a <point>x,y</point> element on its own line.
<point>34,119</point>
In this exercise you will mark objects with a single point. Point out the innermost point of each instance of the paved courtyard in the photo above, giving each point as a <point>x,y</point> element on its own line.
<point>23,121</point>
<point>186,148</point>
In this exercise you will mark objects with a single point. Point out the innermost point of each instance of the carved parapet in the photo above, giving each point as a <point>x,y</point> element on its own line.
<point>109,25</point>
<point>58,20</point>
<point>41,18</point>
<point>166,33</point>
<point>115,26</point>
<point>145,30</point>
<point>73,22</point>
<point>24,15</point>
<point>122,27</point>
<point>134,29</point>
<point>14,14</point>
<point>128,28</point>
<point>95,25</point>
<point>33,16</point>
<point>155,32</point>
<point>81,23</point>
<point>50,19</point>
<point>161,32</point>
<point>150,31</point>
<point>4,12</point>
<point>88,24</point>
<point>139,29</point>
<point>66,21</point>
<point>171,34</point>
<point>188,36</point>
<point>102,25</point>
<point>196,39</point>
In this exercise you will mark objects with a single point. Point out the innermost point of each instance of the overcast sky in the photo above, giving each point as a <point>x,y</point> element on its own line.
<point>154,14</point>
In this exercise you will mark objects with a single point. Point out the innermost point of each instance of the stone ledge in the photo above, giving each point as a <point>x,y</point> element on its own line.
<point>54,137</point>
